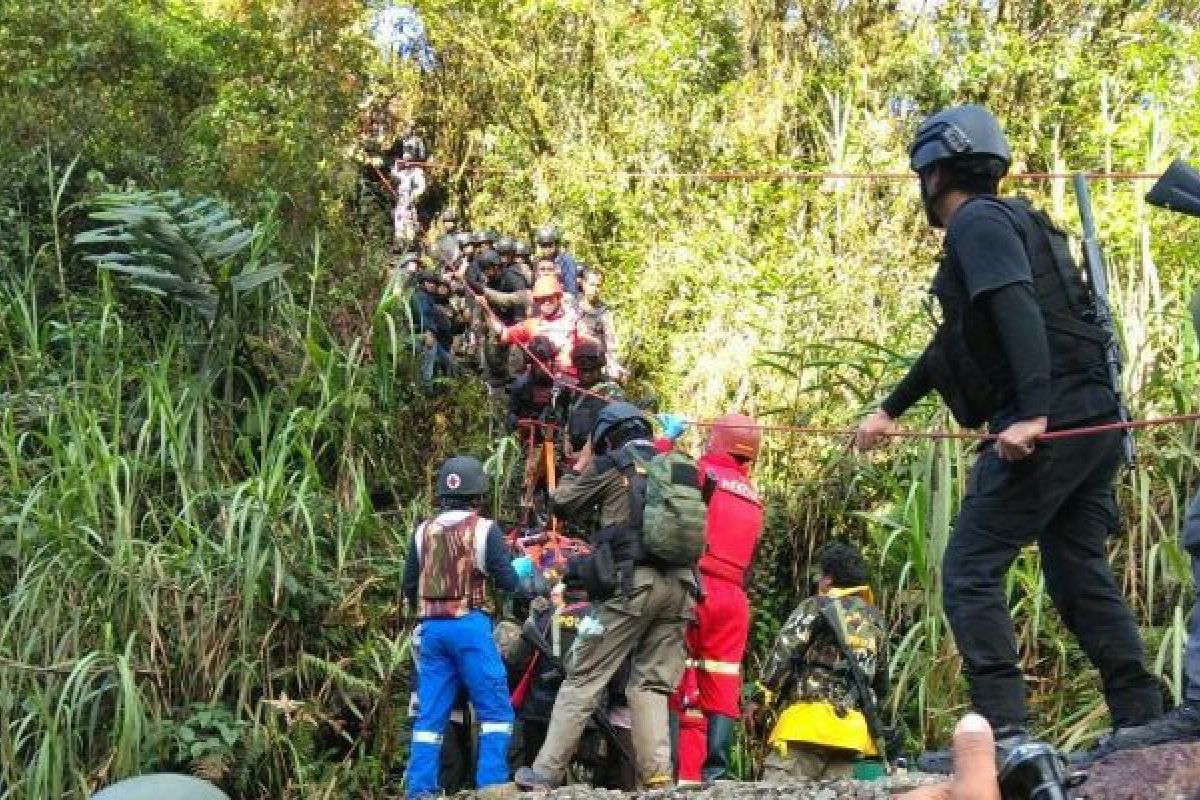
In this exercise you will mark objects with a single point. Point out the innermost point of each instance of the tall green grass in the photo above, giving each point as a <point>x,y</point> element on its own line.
<point>199,577</point>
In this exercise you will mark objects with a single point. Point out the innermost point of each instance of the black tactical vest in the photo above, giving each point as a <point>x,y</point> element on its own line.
<point>974,392</point>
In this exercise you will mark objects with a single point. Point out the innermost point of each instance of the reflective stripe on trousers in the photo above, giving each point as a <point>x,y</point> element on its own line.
<point>459,653</point>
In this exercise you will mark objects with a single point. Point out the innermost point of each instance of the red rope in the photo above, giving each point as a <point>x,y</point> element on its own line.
<point>1067,433</point>
<point>816,430</point>
<point>776,175</point>
<point>813,430</point>
<point>386,183</point>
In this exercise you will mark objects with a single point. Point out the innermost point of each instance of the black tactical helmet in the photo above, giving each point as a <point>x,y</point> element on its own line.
<point>587,354</point>
<point>966,131</point>
<point>505,245</point>
<point>521,249</point>
<point>547,234</point>
<point>462,476</point>
<point>616,418</point>
<point>488,258</point>
<point>543,349</point>
<point>430,276</point>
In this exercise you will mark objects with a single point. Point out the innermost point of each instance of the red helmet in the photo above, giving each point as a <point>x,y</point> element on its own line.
<point>737,435</point>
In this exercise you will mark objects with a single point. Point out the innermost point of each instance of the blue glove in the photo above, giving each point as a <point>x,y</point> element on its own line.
<point>523,566</point>
<point>674,425</point>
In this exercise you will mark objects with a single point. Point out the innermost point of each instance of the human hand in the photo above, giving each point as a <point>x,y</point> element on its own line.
<point>974,766</point>
<point>1018,440</point>
<point>873,429</point>
<point>585,457</point>
<point>430,341</point>
<point>674,425</point>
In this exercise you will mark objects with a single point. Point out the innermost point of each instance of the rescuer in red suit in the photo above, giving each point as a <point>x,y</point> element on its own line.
<point>708,699</point>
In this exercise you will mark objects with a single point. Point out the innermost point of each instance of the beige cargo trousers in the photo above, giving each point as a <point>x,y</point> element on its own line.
<point>647,621</point>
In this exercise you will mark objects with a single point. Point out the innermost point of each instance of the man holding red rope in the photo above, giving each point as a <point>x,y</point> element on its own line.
<point>1016,348</point>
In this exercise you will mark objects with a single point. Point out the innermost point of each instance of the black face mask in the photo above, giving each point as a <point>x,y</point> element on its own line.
<point>928,199</point>
<point>441,299</point>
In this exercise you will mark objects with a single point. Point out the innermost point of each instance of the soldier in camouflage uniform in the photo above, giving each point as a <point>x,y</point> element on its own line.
<point>823,731</point>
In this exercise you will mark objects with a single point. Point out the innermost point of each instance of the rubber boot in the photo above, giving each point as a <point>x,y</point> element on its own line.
<point>720,740</point>
<point>651,737</point>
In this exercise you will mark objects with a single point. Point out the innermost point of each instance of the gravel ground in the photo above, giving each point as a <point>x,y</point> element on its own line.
<point>1169,772</point>
<point>884,789</point>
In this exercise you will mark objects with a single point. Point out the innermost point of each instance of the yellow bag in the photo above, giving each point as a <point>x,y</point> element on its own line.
<point>819,724</point>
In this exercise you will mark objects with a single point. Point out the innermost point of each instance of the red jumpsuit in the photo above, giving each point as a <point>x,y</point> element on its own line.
<point>717,642</point>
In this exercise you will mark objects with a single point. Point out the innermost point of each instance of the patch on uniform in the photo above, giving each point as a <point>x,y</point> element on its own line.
<point>453,481</point>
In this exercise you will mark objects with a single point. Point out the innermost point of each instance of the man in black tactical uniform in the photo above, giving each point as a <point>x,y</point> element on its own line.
<point>1016,348</point>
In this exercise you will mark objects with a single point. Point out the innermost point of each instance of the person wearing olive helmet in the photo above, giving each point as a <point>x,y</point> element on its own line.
<point>641,605</point>
<point>505,247</point>
<point>555,319</point>
<point>466,248</point>
<point>709,701</point>
<point>523,263</point>
<point>1017,349</point>
<point>549,245</point>
<point>451,559</point>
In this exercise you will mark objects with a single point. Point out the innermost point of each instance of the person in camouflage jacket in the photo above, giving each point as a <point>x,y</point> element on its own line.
<point>822,731</point>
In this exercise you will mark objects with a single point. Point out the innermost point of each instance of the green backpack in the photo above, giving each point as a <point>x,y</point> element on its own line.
<point>674,515</point>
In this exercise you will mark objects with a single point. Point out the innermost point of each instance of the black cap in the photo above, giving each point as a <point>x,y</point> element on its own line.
<point>462,476</point>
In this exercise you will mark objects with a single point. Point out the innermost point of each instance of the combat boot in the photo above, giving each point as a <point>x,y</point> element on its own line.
<point>1181,724</point>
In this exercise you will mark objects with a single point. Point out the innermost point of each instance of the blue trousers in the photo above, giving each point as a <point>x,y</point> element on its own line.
<point>459,653</point>
<point>436,358</point>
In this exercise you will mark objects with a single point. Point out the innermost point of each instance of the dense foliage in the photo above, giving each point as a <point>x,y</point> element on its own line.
<point>203,508</point>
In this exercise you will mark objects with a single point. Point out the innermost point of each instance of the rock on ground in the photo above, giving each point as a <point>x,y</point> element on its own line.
<point>1166,772</point>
